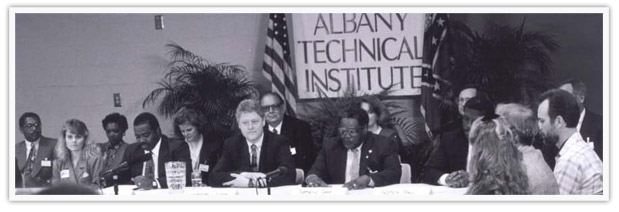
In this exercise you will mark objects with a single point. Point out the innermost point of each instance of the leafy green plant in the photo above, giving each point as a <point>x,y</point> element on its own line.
<point>510,62</point>
<point>213,89</point>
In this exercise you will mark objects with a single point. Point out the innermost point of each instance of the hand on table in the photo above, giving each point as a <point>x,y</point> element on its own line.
<point>253,175</point>
<point>457,179</point>
<point>359,183</point>
<point>239,181</point>
<point>143,182</point>
<point>315,181</point>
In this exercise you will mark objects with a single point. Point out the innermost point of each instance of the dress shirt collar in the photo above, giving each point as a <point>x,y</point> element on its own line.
<point>569,143</point>
<point>278,127</point>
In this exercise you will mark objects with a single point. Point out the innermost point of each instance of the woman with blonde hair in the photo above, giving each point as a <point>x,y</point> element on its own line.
<point>524,124</point>
<point>496,164</point>
<point>77,160</point>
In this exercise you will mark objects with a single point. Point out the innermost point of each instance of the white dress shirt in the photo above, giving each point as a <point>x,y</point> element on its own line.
<point>278,128</point>
<point>155,156</point>
<point>350,161</point>
<point>195,153</point>
<point>29,146</point>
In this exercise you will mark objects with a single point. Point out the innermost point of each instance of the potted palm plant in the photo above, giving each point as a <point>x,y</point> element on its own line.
<point>213,89</point>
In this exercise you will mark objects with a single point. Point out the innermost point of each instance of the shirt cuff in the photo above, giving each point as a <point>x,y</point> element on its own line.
<point>441,180</point>
<point>371,184</point>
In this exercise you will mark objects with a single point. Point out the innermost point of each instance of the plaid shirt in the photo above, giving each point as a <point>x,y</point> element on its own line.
<point>578,169</point>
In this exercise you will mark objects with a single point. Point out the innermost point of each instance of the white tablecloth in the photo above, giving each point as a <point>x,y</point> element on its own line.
<point>397,189</point>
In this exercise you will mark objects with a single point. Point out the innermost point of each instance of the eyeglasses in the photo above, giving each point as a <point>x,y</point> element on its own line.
<point>349,131</point>
<point>267,108</point>
<point>31,125</point>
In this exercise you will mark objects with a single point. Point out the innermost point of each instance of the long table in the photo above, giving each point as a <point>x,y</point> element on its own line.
<point>397,189</point>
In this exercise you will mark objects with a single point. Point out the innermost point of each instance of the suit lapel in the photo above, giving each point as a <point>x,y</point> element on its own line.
<point>162,156</point>
<point>365,155</point>
<point>341,155</point>
<point>44,147</point>
<point>79,170</point>
<point>21,155</point>
<point>243,150</point>
<point>288,131</point>
<point>264,151</point>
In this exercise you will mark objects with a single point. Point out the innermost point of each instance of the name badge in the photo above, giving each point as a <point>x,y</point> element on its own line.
<point>203,168</point>
<point>64,174</point>
<point>85,175</point>
<point>293,151</point>
<point>46,163</point>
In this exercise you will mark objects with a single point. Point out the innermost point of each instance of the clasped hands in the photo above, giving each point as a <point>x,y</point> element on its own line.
<point>358,183</point>
<point>242,180</point>
<point>457,179</point>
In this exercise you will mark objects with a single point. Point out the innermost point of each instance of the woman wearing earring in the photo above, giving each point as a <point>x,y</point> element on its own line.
<point>204,145</point>
<point>77,159</point>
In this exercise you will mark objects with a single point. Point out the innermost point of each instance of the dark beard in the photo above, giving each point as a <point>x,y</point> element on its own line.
<point>551,140</point>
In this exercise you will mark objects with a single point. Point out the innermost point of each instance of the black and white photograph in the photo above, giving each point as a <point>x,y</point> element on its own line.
<point>308,104</point>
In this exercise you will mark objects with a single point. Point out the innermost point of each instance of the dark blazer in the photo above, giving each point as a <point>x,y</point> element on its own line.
<point>169,150</point>
<point>40,176</point>
<point>449,156</point>
<point>210,153</point>
<point>299,136</point>
<point>379,160</point>
<point>274,153</point>
<point>592,128</point>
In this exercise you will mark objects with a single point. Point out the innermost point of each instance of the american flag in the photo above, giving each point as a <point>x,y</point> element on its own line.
<point>276,66</point>
<point>435,68</point>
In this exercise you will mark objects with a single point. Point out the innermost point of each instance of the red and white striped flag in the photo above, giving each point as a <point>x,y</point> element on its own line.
<point>276,66</point>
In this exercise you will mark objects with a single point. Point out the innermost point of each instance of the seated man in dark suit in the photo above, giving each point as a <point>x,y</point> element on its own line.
<point>297,132</point>
<point>357,158</point>
<point>34,155</point>
<point>150,140</point>
<point>246,157</point>
<point>590,125</point>
<point>448,164</point>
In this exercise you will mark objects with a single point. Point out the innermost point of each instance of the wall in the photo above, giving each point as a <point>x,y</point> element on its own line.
<point>69,65</point>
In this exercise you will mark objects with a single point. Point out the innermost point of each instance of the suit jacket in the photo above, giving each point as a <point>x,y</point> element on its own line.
<point>299,136</point>
<point>450,156</point>
<point>592,128</point>
<point>85,172</point>
<point>41,174</point>
<point>275,152</point>
<point>210,153</point>
<point>169,150</point>
<point>379,160</point>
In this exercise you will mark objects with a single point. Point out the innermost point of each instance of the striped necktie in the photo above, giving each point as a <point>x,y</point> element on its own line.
<point>30,162</point>
<point>254,158</point>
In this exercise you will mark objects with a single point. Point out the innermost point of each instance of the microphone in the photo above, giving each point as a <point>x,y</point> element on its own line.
<point>279,171</point>
<point>125,164</point>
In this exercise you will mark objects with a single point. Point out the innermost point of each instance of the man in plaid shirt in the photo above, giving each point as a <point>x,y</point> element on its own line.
<point>578,169</point>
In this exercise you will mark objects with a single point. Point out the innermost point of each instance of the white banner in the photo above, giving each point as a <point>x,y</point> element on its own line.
<point>365,51</point>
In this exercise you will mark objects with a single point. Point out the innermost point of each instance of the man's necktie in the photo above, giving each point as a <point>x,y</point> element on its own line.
<point>149,171</point>
<point>275,131</point>
<point>30,162</point>
<point>354,169</point>
<point>254,158</point>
